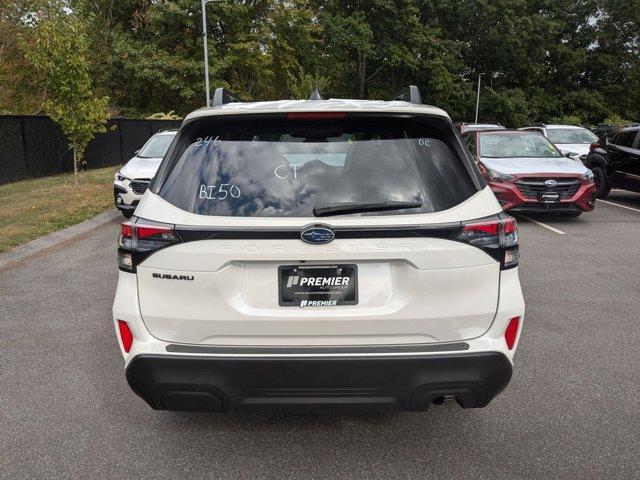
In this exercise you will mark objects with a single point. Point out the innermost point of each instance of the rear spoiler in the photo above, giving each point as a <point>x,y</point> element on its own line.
<point>223,96</point>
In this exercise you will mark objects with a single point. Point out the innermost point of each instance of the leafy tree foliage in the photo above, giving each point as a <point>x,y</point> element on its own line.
<point>59,54</point>
<point>19,90</point>
<point>577,60</point>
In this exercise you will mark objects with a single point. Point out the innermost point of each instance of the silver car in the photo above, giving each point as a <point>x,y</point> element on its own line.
<point>572,140</point>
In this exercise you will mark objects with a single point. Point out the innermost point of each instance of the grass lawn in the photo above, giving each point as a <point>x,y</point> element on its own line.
<point>33,208</point>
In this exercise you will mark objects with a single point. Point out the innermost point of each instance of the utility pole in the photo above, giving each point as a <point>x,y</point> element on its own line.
<point>206,49</point>
<point>478,96</point>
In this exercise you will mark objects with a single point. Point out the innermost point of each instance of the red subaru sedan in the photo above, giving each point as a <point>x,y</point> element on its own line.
<point>528,173</point>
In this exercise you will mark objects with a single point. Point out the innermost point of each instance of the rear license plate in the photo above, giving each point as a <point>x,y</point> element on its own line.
<point>317,285</point>
<point>550,197</point>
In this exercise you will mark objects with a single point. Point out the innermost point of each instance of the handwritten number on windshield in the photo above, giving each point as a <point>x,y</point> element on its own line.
<point>207,141</point>
<point>221,192</point>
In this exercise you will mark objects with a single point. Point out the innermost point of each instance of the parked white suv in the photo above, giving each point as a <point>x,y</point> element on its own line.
<point>130,183</point>
<point>572,140</point>
<point>318,255</point>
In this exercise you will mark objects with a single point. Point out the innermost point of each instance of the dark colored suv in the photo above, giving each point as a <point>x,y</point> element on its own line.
<point>615,161</point>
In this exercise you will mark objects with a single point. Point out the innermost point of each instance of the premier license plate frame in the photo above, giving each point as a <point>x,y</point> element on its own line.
<point>550,197</point>
<point>297,285</point>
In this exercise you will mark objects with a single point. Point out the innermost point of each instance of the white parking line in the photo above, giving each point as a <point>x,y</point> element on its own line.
<point>619,205</point>
<point>543,225</point>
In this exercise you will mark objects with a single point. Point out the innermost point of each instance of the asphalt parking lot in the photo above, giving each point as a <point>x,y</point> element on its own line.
<point>571,410</point>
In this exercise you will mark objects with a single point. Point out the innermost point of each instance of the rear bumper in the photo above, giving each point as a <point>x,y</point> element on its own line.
<point>363,383</point>
<point>511,198</point>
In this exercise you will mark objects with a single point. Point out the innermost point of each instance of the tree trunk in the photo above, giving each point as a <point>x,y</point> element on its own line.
<point>75,161</point>
<point>362,74</point>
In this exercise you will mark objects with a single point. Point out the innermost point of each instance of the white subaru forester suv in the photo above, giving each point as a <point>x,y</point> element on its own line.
<point>318,255</point>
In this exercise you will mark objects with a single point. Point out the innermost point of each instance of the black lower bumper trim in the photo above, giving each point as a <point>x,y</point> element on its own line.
<point>303,384</point>
<point>551,208</point>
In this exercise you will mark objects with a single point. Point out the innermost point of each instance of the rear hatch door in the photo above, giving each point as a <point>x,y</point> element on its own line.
<point>240,196</point>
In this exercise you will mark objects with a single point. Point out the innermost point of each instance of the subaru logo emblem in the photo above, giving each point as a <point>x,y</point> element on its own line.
<point>317,234</point>
<point>551,183</point>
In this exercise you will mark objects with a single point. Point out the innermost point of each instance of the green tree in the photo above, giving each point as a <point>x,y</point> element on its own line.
<point>370,46</point>
<point>301,84</point>
<point>151,52</point>
<point>508,105</point>
<point>613,60</point>
<point>542,59</point>
<point>293,45</point>
<point>19,83</point>
<point>60,53</point>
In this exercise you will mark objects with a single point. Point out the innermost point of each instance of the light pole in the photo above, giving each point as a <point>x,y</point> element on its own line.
<point>206,50</point>
<point>478,96</point>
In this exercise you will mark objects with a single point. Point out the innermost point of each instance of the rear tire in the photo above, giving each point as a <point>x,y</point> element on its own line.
<point>600,177</point>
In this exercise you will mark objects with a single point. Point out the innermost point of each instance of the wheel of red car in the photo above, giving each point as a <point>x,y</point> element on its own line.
<point>601,182</point>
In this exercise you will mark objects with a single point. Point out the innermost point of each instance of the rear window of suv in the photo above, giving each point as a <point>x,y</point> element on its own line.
<point>283,166</point>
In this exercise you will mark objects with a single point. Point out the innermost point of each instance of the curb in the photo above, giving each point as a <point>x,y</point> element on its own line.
<point>56,238</point>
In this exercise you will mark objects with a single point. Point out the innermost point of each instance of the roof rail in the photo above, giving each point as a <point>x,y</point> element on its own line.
<point>316,95</point>
<point>223,95</point>
<point>410,94</point>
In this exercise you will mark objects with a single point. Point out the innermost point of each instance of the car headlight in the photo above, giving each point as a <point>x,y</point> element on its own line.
<point>499,176</point>
<point>118,176</point>
<point>587,177</point>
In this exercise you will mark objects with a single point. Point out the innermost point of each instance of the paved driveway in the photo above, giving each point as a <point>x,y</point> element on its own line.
<point>571,410</point>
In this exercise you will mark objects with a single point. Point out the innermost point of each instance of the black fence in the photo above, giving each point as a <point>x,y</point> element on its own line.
<point>34,146</point>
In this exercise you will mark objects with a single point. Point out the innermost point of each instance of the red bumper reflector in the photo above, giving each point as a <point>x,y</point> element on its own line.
<point>511,332</point>
<point>125,335</point>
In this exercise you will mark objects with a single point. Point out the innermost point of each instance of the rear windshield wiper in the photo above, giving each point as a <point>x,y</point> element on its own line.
<point>326,209</point>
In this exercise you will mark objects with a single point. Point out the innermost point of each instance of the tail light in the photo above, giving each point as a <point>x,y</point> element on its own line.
<point>125,335</point>
<point>593,146</point>
<point>498,236</point>
<point>139,239</point>
<point>511,332</point>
